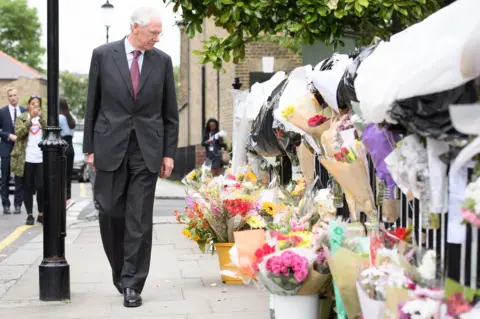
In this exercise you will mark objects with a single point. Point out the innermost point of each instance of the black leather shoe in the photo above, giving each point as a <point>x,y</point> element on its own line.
<point>131,298</point>
<point>118,285</point>
<point>6,210</point>
<point>18,210</point>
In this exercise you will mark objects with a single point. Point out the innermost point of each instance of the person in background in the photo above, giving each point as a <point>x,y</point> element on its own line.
<point>67,126</point>
<point>27,157</point>
<point>213,142</point>
<point>8,116</point>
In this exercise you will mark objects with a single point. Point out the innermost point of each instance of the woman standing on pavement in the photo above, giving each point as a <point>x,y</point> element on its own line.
<point>213,142</point>
<point>27,157</point>
<point>67,126</point>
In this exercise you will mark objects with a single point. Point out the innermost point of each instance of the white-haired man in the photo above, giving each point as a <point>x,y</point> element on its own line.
<point>131,134</point>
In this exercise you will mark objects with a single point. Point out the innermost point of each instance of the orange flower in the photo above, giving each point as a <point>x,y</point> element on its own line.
<point>191,215</point>
<point>205,224</point>
<point>176,213</point>
<point>178,219</point>
<point>200,215</point>
<point>194,224</point>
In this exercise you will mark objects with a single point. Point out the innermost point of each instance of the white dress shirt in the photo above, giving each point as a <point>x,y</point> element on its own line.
<point>129,49</point>
<point>12,108</point>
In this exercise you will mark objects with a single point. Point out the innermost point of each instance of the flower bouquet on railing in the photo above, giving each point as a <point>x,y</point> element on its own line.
<point>346,248</point>
<point>471,206</point>
<point>345,159</point>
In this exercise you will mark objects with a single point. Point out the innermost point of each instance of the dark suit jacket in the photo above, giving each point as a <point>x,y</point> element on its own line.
<point>111,110</point>
<point>6,127</point>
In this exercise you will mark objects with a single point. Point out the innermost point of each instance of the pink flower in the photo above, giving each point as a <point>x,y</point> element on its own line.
<point>276,269</point>
<point>300,276</point>
<point>471,217</point>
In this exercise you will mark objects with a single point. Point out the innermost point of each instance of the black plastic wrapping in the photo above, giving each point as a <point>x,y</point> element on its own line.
<point>263,139</point>
<point>346,89</point>
<point>428,115</point>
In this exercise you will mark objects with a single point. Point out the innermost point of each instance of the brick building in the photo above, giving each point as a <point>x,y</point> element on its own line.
<point>206,93</point>
<point>16,74</point>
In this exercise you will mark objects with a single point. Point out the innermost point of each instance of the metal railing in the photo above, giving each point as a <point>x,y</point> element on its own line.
<point>456,261</point>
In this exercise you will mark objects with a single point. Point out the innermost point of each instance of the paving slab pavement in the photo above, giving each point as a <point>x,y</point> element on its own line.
<point>183,282</point>
<point>167,189</point>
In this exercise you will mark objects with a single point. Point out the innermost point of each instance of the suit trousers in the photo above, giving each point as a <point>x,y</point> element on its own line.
<point>5,167</point>
<point>125,198</point>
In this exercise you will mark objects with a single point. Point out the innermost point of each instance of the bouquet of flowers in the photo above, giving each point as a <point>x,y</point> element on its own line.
<point>289,272</point>
<point>371,292</point>
<point>197,227</point>
<point>471,209</point>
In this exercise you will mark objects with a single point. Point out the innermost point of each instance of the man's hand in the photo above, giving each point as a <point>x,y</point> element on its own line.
<point>12,137</point>
<point>90,160</point>
<point>167,167</point>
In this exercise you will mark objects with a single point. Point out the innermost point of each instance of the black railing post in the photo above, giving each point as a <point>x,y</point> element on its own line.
<point>54,271</point>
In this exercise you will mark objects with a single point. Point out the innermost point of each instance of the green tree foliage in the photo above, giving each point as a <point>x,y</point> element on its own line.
<point>74,87</point>
<point>20,32</point>
<point>305,21</point>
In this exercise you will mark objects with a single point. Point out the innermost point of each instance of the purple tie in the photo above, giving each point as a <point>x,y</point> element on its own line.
<point>135,73</point>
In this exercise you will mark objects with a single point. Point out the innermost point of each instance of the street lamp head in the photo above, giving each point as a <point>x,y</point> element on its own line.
<point>107,12</point>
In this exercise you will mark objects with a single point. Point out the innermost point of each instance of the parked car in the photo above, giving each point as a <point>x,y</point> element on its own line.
<point>80,168</point>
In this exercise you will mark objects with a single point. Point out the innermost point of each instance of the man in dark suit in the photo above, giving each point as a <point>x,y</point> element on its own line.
<point>8,116</point>
<point>131,135</point>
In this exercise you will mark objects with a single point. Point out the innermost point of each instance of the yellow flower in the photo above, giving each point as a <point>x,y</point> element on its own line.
<point>288,111</point>
<point>256,222</point>
<point>191,175</point>
<point>239,176</point>
<point>196,238</point>
<point>269,208</point>
<point>251,177</point>
<point>186,233</point>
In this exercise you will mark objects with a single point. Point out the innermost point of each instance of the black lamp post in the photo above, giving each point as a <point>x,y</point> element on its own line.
<point>54,271</point>
<point>107,11</point>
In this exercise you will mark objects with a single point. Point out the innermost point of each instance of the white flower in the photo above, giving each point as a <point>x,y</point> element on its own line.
<point>428,268</point>
<point>421,308</point>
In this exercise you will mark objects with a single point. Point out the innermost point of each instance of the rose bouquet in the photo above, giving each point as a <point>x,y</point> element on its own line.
<point>471,209</point>
<point>284,272</point>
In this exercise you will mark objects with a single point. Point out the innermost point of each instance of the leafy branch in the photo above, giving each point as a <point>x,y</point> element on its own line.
<point>299,21</point>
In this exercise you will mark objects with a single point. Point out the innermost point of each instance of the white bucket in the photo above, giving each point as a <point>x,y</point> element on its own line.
<point>296,307</point>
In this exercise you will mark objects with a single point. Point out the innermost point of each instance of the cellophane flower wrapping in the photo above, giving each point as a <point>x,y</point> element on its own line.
<point>242,255</point>
<point>354,179</point>
<point>371,291</point>
<point>346,297</point>
<point>408,165</point>
<point>325,204</point>
<point>379,144</point>
<point>297,103</point>
<point>211,195</point>
<point>284,272</point>
<point>307,162</point>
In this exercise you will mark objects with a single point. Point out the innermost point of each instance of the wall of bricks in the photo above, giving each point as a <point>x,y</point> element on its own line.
<point>25,87</point>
